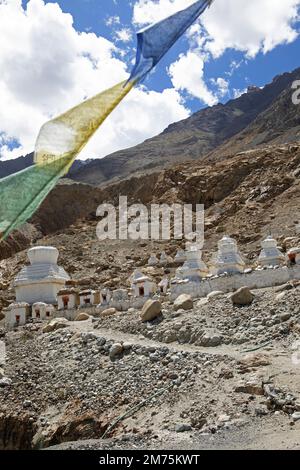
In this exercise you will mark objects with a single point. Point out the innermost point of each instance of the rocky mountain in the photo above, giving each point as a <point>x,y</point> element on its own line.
<point>257,117</point>
<point>8,167</point>
<point>279,124</point>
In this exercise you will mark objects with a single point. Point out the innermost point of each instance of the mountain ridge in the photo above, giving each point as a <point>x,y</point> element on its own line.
<point>194,137</point>
<point>209,133</point>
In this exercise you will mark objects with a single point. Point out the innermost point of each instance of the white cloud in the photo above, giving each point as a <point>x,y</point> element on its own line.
<point>123,35</point>
<point>237,93</point>
<point>187,73</point>
<point>112,20</point>
<point>47,66</point>
<point>222,85</point>
<point>151,11</point>
<point>249,26</point>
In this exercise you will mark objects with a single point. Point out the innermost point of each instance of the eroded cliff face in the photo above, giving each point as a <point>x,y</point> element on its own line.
<point>16,432</point>
<point>27,432</point>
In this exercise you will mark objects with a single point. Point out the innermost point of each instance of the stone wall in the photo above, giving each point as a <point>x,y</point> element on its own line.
<point>254,280</point>
<point>121,306</point>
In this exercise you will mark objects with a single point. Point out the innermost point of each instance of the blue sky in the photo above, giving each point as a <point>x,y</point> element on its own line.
<point>60,59</point>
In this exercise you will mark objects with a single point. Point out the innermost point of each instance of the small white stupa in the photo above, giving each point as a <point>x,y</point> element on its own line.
<point>228,258</point>
<point>270,255</point>
<point>193,268</point>
<point>180,256</point>
<point>153,261</point>
<point>142,285</point>
<point>163,259</point>
<point>42,279</point>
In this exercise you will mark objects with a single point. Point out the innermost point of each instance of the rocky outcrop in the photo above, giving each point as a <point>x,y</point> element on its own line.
<point>150,310</point>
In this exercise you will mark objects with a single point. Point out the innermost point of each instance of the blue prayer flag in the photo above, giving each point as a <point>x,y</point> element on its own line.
<point>154,42</point>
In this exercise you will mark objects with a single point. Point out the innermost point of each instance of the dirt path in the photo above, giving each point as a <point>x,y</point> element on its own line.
<point>117,335</point>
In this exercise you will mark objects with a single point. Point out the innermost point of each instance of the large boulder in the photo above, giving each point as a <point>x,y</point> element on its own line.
<point>242,296</point>
<point>55,324</point>
<point>82,316</point>
<point>150,310</point>
<point>108,312</point>
<point>184,301</point>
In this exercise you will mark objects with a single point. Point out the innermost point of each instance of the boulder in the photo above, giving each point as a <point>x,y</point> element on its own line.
<point>108,312</point>
<point>184,301</point>
<point>5,382</point>
<point>183,427</point>
<point>150,310</point>
<point>242,296</point>
<point>253,386</point>
<point>82,316</point>
<point>285,316</point>
<point>255,360</point>
<point>296,416</point>
<point>115,350</point>
<point>55,324</point>
<point>216,293</point>
<point>211,340</point>
<point>280,297</point>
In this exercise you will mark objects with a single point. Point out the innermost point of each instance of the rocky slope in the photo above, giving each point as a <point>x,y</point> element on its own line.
<point>279,124</point>
<point>245,195</point>
<point>162,383</point>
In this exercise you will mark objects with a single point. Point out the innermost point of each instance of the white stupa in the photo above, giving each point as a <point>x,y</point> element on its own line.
<point>228,258</point>
<point>153,260</point>
<point>180,256</point>
<point>270,255</point>
<point>42,279</point>
<point>163,260</point>
<point>193,268</point>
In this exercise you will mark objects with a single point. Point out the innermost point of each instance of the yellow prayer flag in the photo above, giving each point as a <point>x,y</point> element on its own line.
<point>66,135</point>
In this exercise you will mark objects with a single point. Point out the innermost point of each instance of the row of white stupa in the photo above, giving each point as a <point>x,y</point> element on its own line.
<point>227,261</point>
<point>43,278</point>
<point>42,283</point>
